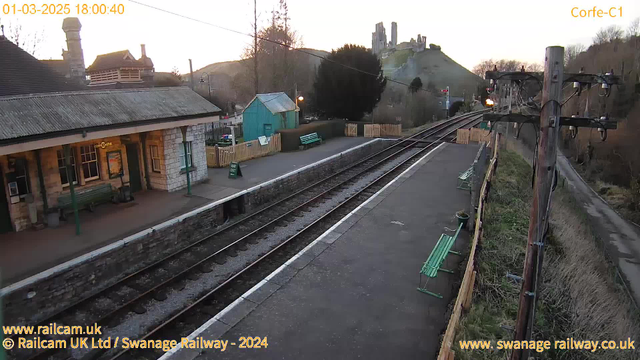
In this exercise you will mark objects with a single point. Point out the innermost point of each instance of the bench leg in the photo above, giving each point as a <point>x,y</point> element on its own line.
<point>425,291</point>
<point>91,207</point>
<point>447,271</point>
<point>455,252</point>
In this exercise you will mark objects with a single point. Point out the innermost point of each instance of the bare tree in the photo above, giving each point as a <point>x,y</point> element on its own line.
<point>534,67</point>
<point>634,28</point>
<point>504,65</point>
<point>29,42</point>
<point>483,67</point>
<point>571,52</point>
<point>608,34</point>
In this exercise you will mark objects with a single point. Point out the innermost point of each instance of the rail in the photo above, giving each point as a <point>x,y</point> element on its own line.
<point>455,123</point>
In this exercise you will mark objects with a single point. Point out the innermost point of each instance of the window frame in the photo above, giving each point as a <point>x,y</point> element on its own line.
<point>22,165</point>
<point>155,157</point>
<point>73,166</point>
<point>83,155</point>
<point>181,155</point>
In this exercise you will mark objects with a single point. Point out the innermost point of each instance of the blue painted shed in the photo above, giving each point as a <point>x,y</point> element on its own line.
<point>267,113</point>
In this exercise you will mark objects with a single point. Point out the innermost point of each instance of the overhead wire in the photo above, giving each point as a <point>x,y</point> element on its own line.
<point>275,42</point>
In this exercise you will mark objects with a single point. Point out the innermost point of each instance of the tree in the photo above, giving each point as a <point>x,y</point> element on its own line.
<point>504,65</point>
<point>634,28</point>
<point>343,92</point>
<point>416,85</point>
<point>167,80</point>
<point>27,42</point>
<point>277,68</point>
<point>571,52</point>
<point>608,34</point>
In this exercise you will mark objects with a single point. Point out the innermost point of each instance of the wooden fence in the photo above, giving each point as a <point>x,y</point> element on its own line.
<point>465,136</point>
<point>351,130</point>
<point>465,294</point>
<point>223,156</point>
<point>379,130</point>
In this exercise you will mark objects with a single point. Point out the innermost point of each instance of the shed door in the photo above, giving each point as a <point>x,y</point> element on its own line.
<point>5,217</point>
<point>268,130</point>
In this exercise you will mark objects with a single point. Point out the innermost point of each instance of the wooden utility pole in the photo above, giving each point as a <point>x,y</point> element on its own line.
<point>543,183</point>
<point>255,44</point>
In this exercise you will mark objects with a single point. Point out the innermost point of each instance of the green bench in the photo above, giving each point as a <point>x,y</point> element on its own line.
<point>464,179</point>
<point>309,139</point>
<point>86,198</point>
<point>436,258</point>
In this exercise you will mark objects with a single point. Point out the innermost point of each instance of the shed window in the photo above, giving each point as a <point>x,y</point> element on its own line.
<point>89,158</point>
<point>155,157</point>
<point>63,169</point>
<point>189,155</point>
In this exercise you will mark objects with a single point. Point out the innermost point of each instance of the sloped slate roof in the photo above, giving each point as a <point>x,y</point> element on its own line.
<point>277,102</point>
<point>37,114</point>
<point>59,66</point>
<point>21,73</point>
<point>116,60</point>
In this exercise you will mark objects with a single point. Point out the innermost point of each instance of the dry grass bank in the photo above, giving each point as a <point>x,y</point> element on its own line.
<point>580,296</point>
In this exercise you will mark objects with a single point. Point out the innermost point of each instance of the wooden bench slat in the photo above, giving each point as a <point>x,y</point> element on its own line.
<point>89,196</point>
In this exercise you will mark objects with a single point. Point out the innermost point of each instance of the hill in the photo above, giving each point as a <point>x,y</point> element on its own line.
<point>434,68</point>
<point>233,79</point>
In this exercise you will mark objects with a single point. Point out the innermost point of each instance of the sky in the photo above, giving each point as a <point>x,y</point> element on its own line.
<point>468,31</point>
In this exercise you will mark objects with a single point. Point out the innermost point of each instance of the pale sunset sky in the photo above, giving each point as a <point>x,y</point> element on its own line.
<point>469,31</point>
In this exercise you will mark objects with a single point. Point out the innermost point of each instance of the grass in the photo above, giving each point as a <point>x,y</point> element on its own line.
<point>397,58</point>
<point>579,296</point>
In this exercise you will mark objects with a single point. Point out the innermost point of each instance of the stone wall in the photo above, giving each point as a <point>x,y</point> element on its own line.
<point>36,298</point>
<point>176,176</point>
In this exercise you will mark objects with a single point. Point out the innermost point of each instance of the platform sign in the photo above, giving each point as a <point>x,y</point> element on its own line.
<point>234,170</point>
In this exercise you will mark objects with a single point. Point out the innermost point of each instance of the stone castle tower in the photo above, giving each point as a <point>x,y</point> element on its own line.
<point>74,55</point>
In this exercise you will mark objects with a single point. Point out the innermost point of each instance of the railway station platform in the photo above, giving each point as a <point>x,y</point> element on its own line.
<point>26,253</point>
<point>352,292</point>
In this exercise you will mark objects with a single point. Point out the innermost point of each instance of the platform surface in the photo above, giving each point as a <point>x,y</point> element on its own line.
<point>28,252</point>
<point>353,293</point>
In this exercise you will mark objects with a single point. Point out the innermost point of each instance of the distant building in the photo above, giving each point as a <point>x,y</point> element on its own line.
<point>21,73</point>
<point>394,34</point>
<point>72,64</point>
<point>109,71</point>
<point>267,113</point>
<point>121,70</point>
<point>379,39</point>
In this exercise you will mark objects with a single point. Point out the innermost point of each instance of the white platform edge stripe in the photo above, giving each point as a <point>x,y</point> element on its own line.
<point>139,235</point>
<point>229,307</point>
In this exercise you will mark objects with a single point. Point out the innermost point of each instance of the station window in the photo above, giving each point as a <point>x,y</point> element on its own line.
<point>89,158</point>
<point>22,177</point>
<point>63,169</point>
<point>189,156</point>
<point>155,157</point>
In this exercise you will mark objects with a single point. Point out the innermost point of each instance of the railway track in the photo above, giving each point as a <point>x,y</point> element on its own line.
<point>138,295</point>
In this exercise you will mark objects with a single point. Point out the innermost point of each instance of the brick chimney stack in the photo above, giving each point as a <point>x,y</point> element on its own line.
<point>74,56</point>
<point>143,51</point>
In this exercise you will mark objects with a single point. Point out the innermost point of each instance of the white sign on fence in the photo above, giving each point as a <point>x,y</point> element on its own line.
<point>263,140</point>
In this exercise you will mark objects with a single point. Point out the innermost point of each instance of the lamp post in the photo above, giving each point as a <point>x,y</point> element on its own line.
<point>208,83</point>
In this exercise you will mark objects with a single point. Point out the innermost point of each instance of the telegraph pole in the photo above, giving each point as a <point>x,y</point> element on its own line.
<point>543,183</point>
